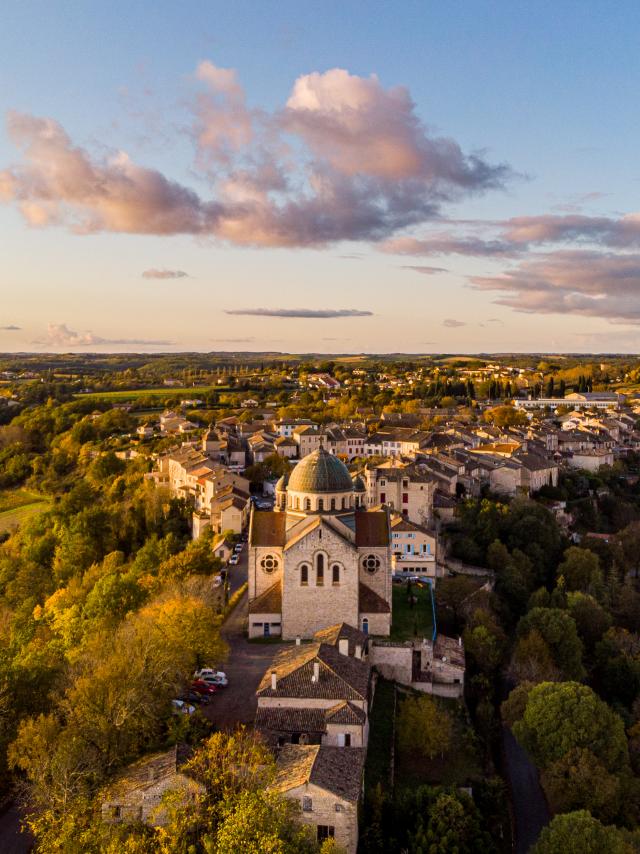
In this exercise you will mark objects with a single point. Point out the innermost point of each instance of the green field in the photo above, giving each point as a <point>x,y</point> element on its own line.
<point>133,394</point>
<point>411,621</point>
<point>11,519</point>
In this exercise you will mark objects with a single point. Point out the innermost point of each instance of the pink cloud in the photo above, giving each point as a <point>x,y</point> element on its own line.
<point>345,159</point>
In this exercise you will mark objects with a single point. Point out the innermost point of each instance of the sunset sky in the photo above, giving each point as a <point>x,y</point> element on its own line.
<point>320,176</point>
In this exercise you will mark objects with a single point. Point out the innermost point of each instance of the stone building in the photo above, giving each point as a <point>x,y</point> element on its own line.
<point>318,693</point>
<point>320,557</point>
<point>327,782</point>
<point>406,487</point>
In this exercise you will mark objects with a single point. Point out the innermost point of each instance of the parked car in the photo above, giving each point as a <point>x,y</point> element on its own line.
<point>180,707</point>
<point>217,581</point>
<point>238,548</point>
<point>212,677</point>
<point>233,560</point>
<point>195,698</point>
<point>202,687</point>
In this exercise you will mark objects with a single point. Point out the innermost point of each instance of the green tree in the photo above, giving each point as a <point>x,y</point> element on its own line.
<point>581,570</point>
<point>562,716</point>
<point>580,833</point>
<point>559,632</point>
<point>579,781</point>
<point>424,727</point>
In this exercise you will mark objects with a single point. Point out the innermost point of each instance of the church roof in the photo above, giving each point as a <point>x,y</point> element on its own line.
<point>267,528</point>
<point>269,601</point>
<point>320,471</point>
<point>371,603</point>
<point>372,528</point>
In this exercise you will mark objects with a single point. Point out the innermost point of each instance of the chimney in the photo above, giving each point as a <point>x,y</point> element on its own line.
<point>274,680</point>
<point>298,640</point>
<point>358,650</point>
<point>343,646</point>
<point>316,672</point>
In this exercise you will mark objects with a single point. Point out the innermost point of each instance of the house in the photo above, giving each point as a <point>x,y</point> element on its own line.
<point>407,488</point>
<point>319,692</point>
<point>327,783</point>
<point>413,547</point>
<point>145,431</point>
<point>136,793</point>
<point>286,447</point>
<point>222,548</point>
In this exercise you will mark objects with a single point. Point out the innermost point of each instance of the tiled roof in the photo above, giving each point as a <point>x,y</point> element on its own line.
<point>371,603</point>
<point>341,677</point>
<point>345,713</point>
<point>267,528</point>
<point>332,634</point>
<point>372,528</point>
<point>268,602</point>
<point>337,769</point>
<point>290,719</point>
<point>147,772</point>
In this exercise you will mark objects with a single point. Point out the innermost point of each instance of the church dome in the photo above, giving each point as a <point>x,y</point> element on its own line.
<point>320,471</point>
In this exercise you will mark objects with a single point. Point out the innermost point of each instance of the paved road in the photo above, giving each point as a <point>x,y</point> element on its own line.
<point>245,666</point>
<point>12,840</point>
<point>529,806</point>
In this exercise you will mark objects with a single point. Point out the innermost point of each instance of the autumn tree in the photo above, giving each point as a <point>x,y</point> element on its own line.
<point>580,833</point>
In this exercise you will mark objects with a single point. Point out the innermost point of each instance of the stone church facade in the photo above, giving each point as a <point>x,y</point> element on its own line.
<point>320,557</point>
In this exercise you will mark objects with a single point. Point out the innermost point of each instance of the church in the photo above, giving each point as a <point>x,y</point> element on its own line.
<point>320,557</point>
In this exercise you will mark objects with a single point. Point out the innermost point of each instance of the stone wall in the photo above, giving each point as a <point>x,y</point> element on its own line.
<point>323,812</point>
<point>392,661</point>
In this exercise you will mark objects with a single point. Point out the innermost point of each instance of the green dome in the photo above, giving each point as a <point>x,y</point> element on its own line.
<point>320,472</point>
<point>281,485</point>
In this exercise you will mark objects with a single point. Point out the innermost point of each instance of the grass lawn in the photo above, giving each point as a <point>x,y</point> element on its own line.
<point>378,767</point>
<point>460,764</point>
<point>411,621</point>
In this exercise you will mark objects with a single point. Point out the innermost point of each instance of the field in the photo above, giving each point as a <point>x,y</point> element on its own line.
<point>168,391</point>
<point>411,621</point>
<point>19,505</point>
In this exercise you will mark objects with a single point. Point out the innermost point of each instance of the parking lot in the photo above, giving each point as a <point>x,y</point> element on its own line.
<point>245,665</point>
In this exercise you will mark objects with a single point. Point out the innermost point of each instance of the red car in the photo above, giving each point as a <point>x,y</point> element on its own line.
<point>202,687</point>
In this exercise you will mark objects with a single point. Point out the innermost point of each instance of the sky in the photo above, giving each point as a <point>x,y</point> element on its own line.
<point>319,176</point>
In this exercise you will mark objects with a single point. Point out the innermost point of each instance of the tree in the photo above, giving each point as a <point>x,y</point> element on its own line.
<point>580,833</point>
<point>505,416</point>
<point>581,570</point>
<point>532,660</point>
<point>423,727</point>
<point>558,630</point>
<point>577,781</point>
<point>561,716</point>
<point>451,593</point>
<point>591,619</point>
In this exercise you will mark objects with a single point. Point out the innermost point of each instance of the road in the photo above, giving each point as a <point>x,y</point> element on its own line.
<point>529,806</point>
<point>246,662</point>
<point>12,840</point>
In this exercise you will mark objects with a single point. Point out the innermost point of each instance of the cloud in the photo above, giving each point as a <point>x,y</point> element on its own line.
<point>449,244</point>
<point>578,282</point>
<point>164,274</point>
<point>233,340</point>
<point>453,324</point>
<point>343,159</point>
<point>300,312</point>
<point>623,232</point>
<point>10,328</point>
<point>60,335</point>
<point>426,271</point>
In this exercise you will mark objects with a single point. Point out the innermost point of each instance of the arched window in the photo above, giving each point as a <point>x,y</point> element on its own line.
<point>371,563</point>
<point>333,504</point>
<point>307,504</point>
<point>344,503</point>
<point>297,503</point>
<point>335,574</point>
<point>304,575</point>
<point>365,625</point>
<point>320,569</point>
<point>269,563</point>
<point>320,504</point>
